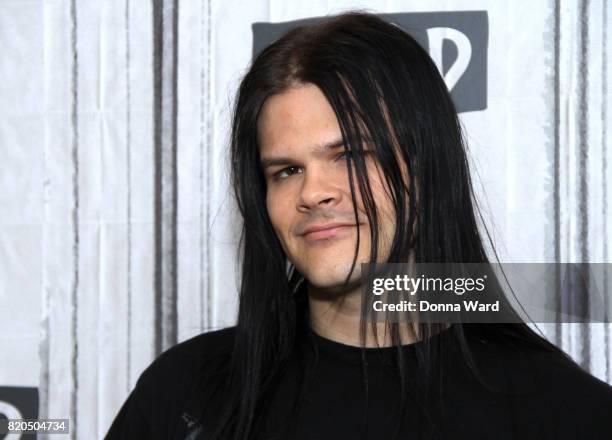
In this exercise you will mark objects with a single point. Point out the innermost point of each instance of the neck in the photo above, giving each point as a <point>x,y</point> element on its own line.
<point>338,317</point>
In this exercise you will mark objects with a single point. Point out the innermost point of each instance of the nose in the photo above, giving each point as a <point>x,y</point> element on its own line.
<point>318,190</point>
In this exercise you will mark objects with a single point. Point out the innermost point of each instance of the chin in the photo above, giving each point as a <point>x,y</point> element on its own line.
<point>332,280</point>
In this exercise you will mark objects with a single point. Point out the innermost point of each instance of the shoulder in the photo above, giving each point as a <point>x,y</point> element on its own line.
<point>560,376</point>
<point>557,373</point>
<point>571,399</point>
<point>163,391</point>
<point>191,356</point>
<point>548,371</point>
<point>553,391</point>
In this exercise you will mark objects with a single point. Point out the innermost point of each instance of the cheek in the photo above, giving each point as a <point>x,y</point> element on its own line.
<point>382,198</point>
<point>378,188</point>
<point>270,206</point>
<point>277,207</point>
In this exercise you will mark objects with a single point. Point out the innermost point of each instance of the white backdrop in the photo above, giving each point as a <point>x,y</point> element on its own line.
<point>118,232</point>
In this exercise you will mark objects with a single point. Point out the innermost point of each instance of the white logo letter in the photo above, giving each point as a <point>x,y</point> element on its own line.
<point>436,37</point>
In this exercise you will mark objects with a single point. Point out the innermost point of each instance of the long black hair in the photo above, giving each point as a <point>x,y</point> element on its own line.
<point>385,88</point>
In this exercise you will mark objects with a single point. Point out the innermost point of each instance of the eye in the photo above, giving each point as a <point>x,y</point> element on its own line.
<point>345,155</point>
<point>352,154</point>
<point>286,172</point>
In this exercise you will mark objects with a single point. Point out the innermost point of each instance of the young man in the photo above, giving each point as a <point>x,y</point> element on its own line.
<point>346,149</point>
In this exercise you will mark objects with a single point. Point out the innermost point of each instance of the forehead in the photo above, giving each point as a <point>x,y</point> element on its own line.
<point>299,117</point>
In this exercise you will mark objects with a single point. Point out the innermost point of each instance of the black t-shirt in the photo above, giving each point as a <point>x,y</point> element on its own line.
<point>543,396</point>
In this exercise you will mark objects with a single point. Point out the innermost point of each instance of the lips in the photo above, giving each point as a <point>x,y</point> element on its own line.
<point>325,231</point>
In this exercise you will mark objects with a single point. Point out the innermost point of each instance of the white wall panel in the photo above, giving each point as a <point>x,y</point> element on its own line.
<point>81,156</point>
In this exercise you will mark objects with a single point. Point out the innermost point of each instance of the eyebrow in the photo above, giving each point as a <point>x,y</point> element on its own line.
<point>281,160</point>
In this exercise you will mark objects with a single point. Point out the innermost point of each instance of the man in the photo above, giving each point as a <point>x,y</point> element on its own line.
<point>346,149</point>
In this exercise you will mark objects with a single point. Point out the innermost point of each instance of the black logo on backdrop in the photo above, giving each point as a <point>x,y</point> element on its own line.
<point>19,403</point>
<point>457,42</point>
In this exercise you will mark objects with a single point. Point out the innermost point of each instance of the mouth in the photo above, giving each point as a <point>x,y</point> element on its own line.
<point>325,232</point>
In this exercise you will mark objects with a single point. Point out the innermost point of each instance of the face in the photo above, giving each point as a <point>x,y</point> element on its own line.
<point>308,193</point>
